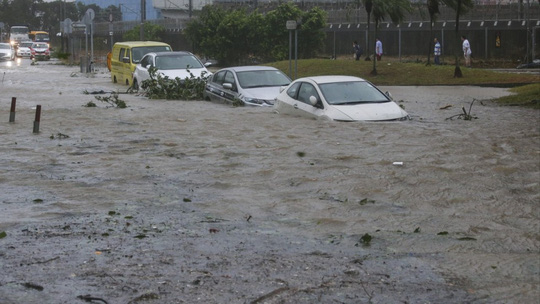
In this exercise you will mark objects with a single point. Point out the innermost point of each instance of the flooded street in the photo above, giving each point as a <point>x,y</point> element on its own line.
<point>197,202</point>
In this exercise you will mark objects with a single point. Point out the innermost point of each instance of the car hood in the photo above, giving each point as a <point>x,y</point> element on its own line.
<point>367,112</point>
<point>182,74</point>
<point>265,93</point>
<point>4,51</point>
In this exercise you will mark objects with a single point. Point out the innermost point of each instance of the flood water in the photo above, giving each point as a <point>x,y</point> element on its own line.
<point>464,201</point>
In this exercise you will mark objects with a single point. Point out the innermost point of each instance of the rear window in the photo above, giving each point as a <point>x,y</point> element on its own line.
<point>138,52</point>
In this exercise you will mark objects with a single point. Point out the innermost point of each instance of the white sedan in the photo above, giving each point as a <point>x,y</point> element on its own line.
<point>340,98</point>
<point>169,64</point>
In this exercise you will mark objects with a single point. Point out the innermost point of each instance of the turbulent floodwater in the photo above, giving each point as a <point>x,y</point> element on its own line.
<point>465,201</point>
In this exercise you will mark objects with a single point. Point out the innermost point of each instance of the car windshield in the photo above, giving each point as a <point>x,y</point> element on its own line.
<point>267,78</point>
<point>25,45</point>
<point>351,92</point>
<point>5,46</point>
<point>40,45</point>
<point>177,62</point>
<point>138,52</point>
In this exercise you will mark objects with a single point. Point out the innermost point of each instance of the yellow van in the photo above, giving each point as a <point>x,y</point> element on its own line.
<point>126,55</point>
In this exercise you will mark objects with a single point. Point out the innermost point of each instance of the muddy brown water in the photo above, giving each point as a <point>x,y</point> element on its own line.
<point>197,202</point>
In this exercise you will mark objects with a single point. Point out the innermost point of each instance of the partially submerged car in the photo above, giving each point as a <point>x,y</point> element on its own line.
<point>6,52</point>
<point>252,85</point>
<point>169,64</point>
<point>40,51</point>
<point>23,50</point>
<point>340,98</point>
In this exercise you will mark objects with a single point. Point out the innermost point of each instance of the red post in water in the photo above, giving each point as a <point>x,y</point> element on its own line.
<point>38,117</point>
<point>12,111</point>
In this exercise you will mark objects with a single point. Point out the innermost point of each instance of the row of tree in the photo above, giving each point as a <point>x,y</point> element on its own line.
<point>237,37</point>
<point>41,15</point>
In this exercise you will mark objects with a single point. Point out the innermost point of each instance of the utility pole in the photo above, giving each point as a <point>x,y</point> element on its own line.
<point>143,17</point>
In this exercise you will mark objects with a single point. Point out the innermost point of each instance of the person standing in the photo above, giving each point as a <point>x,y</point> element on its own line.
<point>378,49</point>
<point>437,52</point>
<point>357,50</point>
<point>466,51</point>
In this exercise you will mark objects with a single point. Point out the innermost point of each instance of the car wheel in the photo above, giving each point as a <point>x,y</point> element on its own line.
<point>135,85</point>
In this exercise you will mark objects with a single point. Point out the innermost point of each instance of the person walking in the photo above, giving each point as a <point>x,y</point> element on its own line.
<point>378,49</point>
<point>466,51</point>
<point>437,51</point>
<point>357,50</point>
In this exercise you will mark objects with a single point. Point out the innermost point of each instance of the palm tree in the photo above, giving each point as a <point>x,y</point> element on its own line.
<point>433,9</point>
<point>395,9</point>
<point>461,7</point>
<point>368,4</point>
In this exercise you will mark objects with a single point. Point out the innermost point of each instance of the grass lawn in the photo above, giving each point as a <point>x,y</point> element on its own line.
<point>390,71</point>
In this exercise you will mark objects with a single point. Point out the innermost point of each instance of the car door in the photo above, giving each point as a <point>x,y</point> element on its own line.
<point>142,68</point>
<point>299,103</point>
<point>216,90</point>
<point>215,85</point>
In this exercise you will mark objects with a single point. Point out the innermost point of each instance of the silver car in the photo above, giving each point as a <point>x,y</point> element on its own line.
<point>6,52</point>
<point>251,85</point>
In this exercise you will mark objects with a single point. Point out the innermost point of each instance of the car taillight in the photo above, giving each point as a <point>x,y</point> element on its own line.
<point>33,51</point>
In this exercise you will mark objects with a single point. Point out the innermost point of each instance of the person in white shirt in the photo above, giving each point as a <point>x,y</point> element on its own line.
<point>378,49</point>
<point>466,51</point>
<point>437,51</point>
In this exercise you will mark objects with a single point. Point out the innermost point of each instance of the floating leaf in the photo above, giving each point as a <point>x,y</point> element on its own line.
<point>417,230</point>
<point>365,201</point>
<point>140,236</point>
<point>467,238</point>
<point>3,234</point>
<point>301,154</point>
<point>366,239</point>
<point>187,200</point>
<point>38,201</point>
<point>128,217</point>
<point>112,213</point>
<point>443,233</point>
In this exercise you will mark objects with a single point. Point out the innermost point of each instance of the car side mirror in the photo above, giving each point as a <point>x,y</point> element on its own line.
<point>148,66</point>
<point>207,64</point>
<point>228,86</point>
<point>313,100</point>
<point>389,95</point>
<point>125,60</point>
<point>282,88</point>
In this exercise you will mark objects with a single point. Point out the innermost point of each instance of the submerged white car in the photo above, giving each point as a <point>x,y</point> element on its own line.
<point>252,85</point>
<point>340,98</point>
<point>169,64</point>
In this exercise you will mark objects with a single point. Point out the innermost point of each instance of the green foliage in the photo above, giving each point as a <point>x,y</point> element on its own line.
<point>162,87</point>
<point>153,32</point>
<point>528,95</point>
<point>237,37</point>
<point>113,100</point>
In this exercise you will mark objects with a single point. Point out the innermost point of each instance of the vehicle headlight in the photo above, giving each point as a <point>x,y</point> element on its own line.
<point>257,101</point>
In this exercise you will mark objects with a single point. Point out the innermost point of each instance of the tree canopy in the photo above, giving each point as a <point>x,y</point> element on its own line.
<point>234,36</point>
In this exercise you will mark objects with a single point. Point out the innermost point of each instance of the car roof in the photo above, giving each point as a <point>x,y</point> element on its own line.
<point>333,78</point>
<point>141,43</point>
<point>251,68</point>
<point>176,53</point>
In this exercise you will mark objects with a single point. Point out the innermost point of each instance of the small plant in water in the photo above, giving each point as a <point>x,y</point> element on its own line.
<point>162,87</point>
<point>113,100</point>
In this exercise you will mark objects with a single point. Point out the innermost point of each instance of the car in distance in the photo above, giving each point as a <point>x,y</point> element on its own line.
<point>40,51</point>
<point>23,50</point>
<point>169,64</point>
<point>340,98</point>
<point>6,52</point>
<point>252,85</point>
